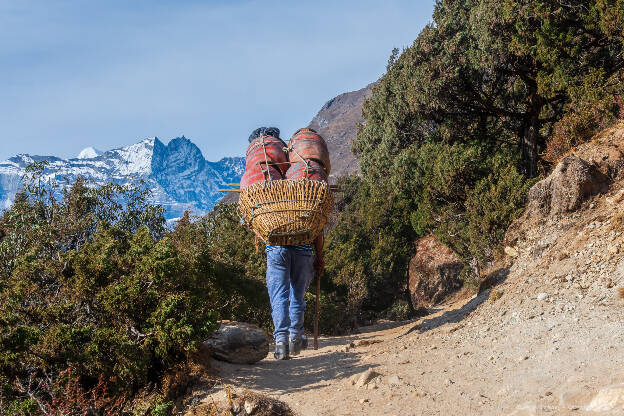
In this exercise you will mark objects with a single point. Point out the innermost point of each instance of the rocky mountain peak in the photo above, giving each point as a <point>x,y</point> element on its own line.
<point>179,156</point>
<point>178,175</point>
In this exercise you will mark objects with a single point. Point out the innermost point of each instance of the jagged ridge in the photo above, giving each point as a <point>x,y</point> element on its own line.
<point>178,175</point>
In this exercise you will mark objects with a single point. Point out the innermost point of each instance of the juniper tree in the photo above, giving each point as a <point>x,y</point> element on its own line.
<point>498,72</point>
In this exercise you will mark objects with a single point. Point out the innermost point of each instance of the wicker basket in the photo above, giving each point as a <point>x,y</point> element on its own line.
<point>286,212</point>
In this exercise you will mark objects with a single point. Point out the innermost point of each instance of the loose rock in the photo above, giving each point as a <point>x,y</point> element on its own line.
<point>395,380</point>
<point>571,182</point>
<point>607,399</point>
<point>511,252</point>
<point>238,343</point>
<point>250,407</point>
<point>433,272</point>
<point>366,378</point>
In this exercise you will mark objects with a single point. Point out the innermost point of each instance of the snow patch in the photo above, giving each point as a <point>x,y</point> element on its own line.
<point>89,153</point>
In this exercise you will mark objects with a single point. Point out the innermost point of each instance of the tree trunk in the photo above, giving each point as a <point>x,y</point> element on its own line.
<point>531,136</point>
<point>529,147</point>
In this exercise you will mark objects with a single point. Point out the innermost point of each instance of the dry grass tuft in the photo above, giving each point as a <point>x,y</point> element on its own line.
<point>495,295</point>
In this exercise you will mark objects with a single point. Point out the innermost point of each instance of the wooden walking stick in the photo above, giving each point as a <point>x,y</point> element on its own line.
<point>316,311</point>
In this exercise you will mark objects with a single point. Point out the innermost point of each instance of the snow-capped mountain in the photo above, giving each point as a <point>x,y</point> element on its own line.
<point>177,173</point>
<point>89,153</point>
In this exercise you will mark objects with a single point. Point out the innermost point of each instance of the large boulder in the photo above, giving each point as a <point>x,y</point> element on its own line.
<point>238,343</point>
<point>606,152</point>
<point>433,272</point>
<point>591,169</point>
<point>571,182</point>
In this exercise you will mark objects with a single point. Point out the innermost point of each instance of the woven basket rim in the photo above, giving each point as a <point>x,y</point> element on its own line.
<point>286,211</point>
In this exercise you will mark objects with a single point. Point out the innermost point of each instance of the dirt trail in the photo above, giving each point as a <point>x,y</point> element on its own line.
<point>451,363</point>
<point>547,341</point>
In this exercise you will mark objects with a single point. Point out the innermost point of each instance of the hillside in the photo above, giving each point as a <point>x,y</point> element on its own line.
<point>544,336</point>
<point>337,122</point>
<point>177,173</point>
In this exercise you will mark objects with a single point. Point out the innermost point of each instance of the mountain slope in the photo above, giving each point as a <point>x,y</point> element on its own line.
<point>337,122</point>
<point>177,173</point>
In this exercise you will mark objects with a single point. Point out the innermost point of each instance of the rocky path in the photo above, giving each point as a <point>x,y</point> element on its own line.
<point>486,362</point>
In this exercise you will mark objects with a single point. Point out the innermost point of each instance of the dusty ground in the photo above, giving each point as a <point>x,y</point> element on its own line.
<point>547,339</point>
<point>548,345</point>
<point>453,363</point>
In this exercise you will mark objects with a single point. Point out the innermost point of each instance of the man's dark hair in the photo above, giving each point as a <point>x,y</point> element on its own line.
<point>264,131</point>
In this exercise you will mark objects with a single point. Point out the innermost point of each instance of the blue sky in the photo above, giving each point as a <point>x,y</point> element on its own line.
<point>109,73</point>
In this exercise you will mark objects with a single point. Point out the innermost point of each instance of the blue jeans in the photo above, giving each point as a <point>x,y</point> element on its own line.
<point>290,270</point>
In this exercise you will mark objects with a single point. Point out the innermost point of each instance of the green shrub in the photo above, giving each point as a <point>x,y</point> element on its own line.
<point>367,248</point>
<point>399,311</point>
<point>162,409</point>
<point>91,284</point>
<point>331,313</point>
<point>494,202</point>
<point>240,264</point>
<point>592,109</point>
<point>465,193</point>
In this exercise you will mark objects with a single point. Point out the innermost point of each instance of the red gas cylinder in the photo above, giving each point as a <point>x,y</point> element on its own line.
<point>308,144</point>
<point>258,173</point>
<point>309,169</point>
<point>267,149</point>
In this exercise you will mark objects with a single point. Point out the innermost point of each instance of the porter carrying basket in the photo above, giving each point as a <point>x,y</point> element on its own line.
<point>286,212</point>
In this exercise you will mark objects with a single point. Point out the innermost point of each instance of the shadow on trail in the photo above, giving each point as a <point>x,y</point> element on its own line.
<point>367,332</point>
<point>457,315</point>
<point>379,326</point>
<point>297,374</point>
<point>454,316</point>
